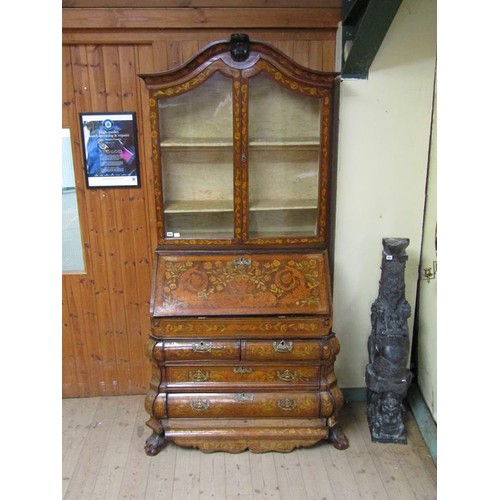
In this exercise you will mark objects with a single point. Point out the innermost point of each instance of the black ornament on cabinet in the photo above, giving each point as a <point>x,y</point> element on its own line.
<point>240,47</point>
<point>387,376</point>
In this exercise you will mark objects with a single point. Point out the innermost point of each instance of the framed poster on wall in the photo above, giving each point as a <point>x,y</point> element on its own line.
<point>110,149</point>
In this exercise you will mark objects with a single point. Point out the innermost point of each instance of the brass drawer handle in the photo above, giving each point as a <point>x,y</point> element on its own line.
<point>283,346</point>
<point>199,376</point>
<point>242,369</point>
<point>200,404</point>
<point>287,376</point>
<point>202,347</point>
<point>243,397</point>
<point>287,404</point>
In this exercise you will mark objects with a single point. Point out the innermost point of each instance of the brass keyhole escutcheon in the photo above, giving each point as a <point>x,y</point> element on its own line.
<point>242,369</point>
<point>283,346</point>
<point>200,404</point>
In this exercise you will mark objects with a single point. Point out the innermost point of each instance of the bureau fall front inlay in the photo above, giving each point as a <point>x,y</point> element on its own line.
<point>241,346</point>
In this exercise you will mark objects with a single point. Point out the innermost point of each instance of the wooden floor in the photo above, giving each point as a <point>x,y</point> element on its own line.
<point>103,458</point>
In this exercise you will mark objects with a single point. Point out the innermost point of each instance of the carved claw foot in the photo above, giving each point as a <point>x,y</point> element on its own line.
<point>338,438</point>
<point>155,443</point>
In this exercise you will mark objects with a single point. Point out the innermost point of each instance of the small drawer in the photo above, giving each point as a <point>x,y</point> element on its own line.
<point>251,375</point>
<point>201,350</point>
<point>244,405</point>
<point>281,349</point>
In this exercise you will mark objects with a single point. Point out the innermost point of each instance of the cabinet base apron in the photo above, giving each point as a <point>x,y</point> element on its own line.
<point>238,435</point>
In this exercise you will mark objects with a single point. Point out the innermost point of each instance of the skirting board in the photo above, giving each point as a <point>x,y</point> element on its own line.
<point>418,407</point>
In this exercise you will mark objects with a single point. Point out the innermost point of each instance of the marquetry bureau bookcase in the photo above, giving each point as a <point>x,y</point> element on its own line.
<point>241,341</point>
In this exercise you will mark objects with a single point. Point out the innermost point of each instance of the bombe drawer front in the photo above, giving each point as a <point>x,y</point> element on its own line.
<point>243,405</point>
<point>281,350</point>
<point>201,350</point>
<point>251,375</point>
<point>273,350</point>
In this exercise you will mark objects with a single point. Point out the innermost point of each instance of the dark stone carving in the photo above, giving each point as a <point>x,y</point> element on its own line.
<point>240,47</point>
<point>387,376</point>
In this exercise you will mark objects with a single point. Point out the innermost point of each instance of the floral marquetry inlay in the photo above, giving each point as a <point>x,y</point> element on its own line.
<point>229,284</point>
<point>241,344</point>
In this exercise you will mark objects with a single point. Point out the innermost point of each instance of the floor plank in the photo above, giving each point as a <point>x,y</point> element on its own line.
<point>187,475</point>
<point>161,473</point>
<point>289,476</point>
<point>92,453</point>
<point>314,472</point>
<point>137,467</point>
<point>386,461</point>
<point>405,472</point>
<point>78,415</point>
<point>112,469</point>
<point>104,458</point>
<point>238,476</point>
<point>363,467</point>
<point>263,471</point>
<point>212,476</point>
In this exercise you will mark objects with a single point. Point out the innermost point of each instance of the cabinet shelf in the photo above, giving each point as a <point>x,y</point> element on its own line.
<point>271,205</point>
<point>196,143</point>
<point>294,143</point>
<point>214,206</point>
<point>198,206</point>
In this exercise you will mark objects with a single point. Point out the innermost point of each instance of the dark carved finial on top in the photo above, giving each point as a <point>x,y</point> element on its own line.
<point>240,47</point>
<point>387,375</point>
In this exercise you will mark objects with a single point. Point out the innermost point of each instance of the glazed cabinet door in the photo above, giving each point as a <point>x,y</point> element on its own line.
<point>283,160</point>
<point>196,147</point>
<point>241,150</point>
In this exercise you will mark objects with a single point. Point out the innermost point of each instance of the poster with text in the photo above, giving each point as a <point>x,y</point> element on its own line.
<point>110,149</point>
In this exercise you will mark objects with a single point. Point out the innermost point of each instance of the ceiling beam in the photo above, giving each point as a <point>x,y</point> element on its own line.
<point>364,26</point>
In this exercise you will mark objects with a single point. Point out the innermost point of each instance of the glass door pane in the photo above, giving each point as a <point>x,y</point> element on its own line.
<point>196,138</point>
<point>283,159</point>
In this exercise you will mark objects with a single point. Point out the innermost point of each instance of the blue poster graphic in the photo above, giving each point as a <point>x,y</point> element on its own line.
<point>110,149</point>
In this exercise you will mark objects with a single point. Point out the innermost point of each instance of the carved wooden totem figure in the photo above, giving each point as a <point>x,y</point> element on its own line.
<point>387,375</point>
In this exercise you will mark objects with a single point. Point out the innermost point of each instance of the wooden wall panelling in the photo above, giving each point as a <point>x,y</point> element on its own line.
<point>106,309</point>
<point>80,289</point>
<point>202,36</point>
<point>137,240</point>
<point>75,369</point>
<point>235,4</point>
<point>141,216</point>
<point>188,49</point>
<point>115,289</point>
<point>202,18</point>
<point>104,263</point>
<point>118,228</point>
<point>90,97</point>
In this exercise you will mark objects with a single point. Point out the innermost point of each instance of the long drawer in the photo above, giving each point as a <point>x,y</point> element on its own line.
<point>244,350</point>
<point>242,404</point>
<point>209,376</point>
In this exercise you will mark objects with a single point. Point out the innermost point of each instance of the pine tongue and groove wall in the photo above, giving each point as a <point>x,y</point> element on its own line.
<point>106,309</point>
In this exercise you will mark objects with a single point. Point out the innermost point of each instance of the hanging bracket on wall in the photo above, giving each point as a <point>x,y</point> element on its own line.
<point>430,272</point>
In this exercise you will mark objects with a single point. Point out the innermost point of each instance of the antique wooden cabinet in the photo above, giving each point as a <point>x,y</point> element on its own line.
<point>241,342</point>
